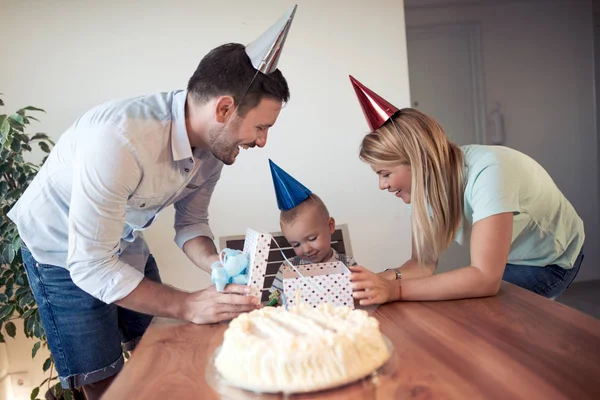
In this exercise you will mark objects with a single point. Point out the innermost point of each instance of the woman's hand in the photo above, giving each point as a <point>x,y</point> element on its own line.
<point>371,288</point>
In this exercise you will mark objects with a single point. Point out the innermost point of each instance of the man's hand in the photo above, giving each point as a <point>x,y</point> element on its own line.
<point>371,288</point>
<point>203,307</point>
<point>209,306</point>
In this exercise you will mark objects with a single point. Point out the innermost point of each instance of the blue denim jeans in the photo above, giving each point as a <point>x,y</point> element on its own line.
<point>549,281</point>
<point>86,336</point>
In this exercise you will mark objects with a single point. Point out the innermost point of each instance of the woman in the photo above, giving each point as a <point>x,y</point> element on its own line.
<point>521,228</point>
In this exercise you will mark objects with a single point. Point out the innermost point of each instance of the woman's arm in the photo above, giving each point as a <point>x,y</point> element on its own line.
<point>490,245</point>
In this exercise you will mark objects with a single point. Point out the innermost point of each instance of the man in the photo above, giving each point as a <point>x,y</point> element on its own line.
<point>95,282</point>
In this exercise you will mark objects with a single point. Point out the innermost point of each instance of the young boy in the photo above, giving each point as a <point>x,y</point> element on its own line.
<point>306,225</point>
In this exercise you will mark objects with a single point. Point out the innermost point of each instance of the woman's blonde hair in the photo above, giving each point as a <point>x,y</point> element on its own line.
<point>437,166</point>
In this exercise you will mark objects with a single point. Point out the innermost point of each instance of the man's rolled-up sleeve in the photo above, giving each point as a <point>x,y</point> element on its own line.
<point>191,212</point>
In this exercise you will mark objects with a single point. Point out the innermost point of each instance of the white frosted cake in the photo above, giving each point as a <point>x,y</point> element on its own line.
<point>304,349</point>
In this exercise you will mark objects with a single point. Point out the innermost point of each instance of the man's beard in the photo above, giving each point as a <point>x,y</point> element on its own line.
<point>223,143</point>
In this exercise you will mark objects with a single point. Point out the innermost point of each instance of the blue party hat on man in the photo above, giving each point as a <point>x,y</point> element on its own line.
<point>289,192</point>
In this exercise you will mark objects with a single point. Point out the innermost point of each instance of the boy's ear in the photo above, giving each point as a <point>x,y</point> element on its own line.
<point>331,225</point>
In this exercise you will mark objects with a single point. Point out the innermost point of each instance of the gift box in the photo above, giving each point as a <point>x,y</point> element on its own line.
<point>256,248</point>
<point>320,283</point>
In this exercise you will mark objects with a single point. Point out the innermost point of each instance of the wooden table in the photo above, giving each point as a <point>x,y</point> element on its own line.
<point>513,345</point>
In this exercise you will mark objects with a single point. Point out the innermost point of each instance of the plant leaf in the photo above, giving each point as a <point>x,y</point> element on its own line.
<point>4,129</point>
<point>17,118</point>
<point>9,288</point>
<point>68,395</point>
<point>16,242</point>
<point>3,189</point>
<point>8,254</point>
<point>38,330</point>
<point>27,299</point>
<point>11,329</point>
<point>58,390</point>
<point>31,108</point>
<point>34,393</point>
<point>15,145</point>
<point>20,280</point>
<point>25,331</point>
<point>39,135</point>
<point>6,311</point>
<point>28,313</point>
<point>44,146</point>
<point>22,290</point>
<point>47,364</point>
<point>35,349</point>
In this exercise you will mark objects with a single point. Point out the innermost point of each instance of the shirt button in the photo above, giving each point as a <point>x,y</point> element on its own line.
<point>187,170</point>
<point>143,205</point>
<point>191,159</point>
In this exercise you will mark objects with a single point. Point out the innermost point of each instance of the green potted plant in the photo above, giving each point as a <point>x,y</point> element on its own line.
<point>17,303</point>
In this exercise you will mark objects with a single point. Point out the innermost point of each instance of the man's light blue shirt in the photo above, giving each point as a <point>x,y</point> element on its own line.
<point>106,180</point>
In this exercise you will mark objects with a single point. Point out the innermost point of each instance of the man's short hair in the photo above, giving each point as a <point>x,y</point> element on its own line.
<point>228,71</point>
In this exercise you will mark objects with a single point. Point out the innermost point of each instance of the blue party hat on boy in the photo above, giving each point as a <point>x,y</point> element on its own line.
<point>289,192</point>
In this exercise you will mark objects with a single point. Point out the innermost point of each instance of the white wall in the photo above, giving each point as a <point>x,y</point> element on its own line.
<point>19,373</point>
<point>67,56</point>
<point>5,389</point>
<point>21,365</point>
<point>3,360</point>
<point>4,379</point>
<point>538,63</point>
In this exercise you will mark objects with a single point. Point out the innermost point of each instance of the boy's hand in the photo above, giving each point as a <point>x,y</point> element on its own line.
<point>370,288</point>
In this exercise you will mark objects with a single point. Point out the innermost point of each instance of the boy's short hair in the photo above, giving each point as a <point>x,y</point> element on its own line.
<point>312,202</point>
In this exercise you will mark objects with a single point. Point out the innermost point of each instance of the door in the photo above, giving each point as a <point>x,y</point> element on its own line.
<point>446,83</point>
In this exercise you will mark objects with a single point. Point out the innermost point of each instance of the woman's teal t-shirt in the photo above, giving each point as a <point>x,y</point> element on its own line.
<point>546,228</point>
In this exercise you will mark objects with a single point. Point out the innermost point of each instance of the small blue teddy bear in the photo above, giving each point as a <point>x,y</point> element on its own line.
<point>231,268</point>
